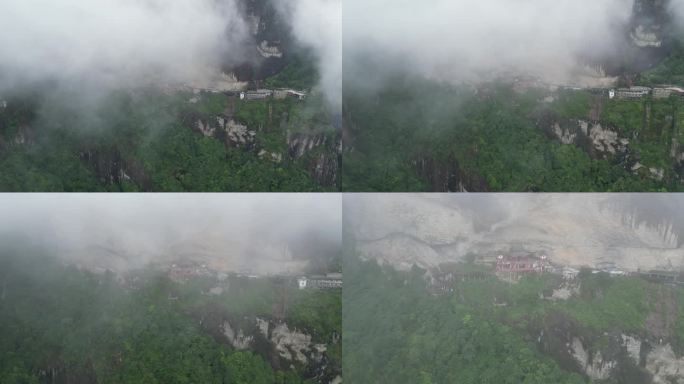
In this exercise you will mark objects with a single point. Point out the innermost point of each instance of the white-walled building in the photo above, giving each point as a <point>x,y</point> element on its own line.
<point>301,282</point>
<point>329,281</point>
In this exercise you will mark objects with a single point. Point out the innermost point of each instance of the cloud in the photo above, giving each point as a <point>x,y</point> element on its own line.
<point>116,42</point>
<point>676,7</point>
<point>317,24</point>
<point>635,230</point>
<point>458,40</point>
<point>229,231</point>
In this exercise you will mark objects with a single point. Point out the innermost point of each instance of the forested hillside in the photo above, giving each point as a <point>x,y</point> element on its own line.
<point>59,324</point>
<point>148,140</point>
<point>518,132</point>
<point>421,136</point>
<point>485,330</point>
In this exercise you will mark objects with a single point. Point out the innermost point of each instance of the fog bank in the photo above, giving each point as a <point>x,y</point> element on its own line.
<point>461,41</point>
<point>263,233</point>
<point>677,9</point>
<point>317,24</point>
<point>117,42</point>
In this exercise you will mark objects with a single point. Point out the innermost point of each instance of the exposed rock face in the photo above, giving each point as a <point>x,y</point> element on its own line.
<point>215,82</point>
<point>648,18</point>
<point>603,140</point>
<point>565,291</point>
<point>275,157</point>
<point>326,151</point>
<point>271,42</point>
<point>322,151</point>
<point>661,363</point>
<point>643,37</point>
<point>665,366</point>
<point>236,134</point>
<point>238,340</point>
<point>262,326</point>
<point>324,168</point>
<point>290,344</point>
<point>267,50</point>
<point>633,346</point>
<point>626,358</point>
<point>572,230</point>
<point>206,129</point>
<point>593,366</point>
<point>294,345</point>
<point>280,344</point>
<point>428,219</point>
<point>300,144</point>
<point>566,136</point>
<point>402,252</point>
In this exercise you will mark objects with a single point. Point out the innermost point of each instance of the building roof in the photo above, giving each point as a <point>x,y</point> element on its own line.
<point>259,92</point>
<point>610,264</point>
<point>659,272</point>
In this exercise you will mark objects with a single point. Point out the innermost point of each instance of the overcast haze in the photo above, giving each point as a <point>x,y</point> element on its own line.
<point>469,40</point>
<point>117,41</point>
<point>126,43</point>
<point>677,9</point>
<point>265,233</point>
<point>635,230</point>
<point>317,24</point>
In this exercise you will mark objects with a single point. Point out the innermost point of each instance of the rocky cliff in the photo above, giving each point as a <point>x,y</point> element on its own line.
<point>646,40</point>
<point>577,230</point>
<point>627,358</point>
<point>271,43</point>
<point>644,135</point>
<point>319,151</point>
<point>282,344</point>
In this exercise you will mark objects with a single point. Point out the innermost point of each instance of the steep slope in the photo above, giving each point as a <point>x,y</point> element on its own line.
<point>579,230</point>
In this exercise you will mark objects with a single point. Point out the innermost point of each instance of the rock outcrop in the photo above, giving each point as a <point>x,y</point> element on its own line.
<point>572,230</point>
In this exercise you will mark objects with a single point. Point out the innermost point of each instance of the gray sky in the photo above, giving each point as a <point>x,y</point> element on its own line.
<point>458,40</point>
<point>268,233</point>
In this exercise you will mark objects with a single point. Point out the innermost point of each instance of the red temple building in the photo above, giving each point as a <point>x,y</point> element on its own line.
<point>520,263</point>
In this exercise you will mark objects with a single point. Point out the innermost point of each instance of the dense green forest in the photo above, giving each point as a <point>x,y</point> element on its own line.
<point>485,330</point>
<point>670,71</point>
<point>59,324</point>
<point>147,140</point>
<point>300,73</point>
<point>415,134</point>
<point>418,135</point>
